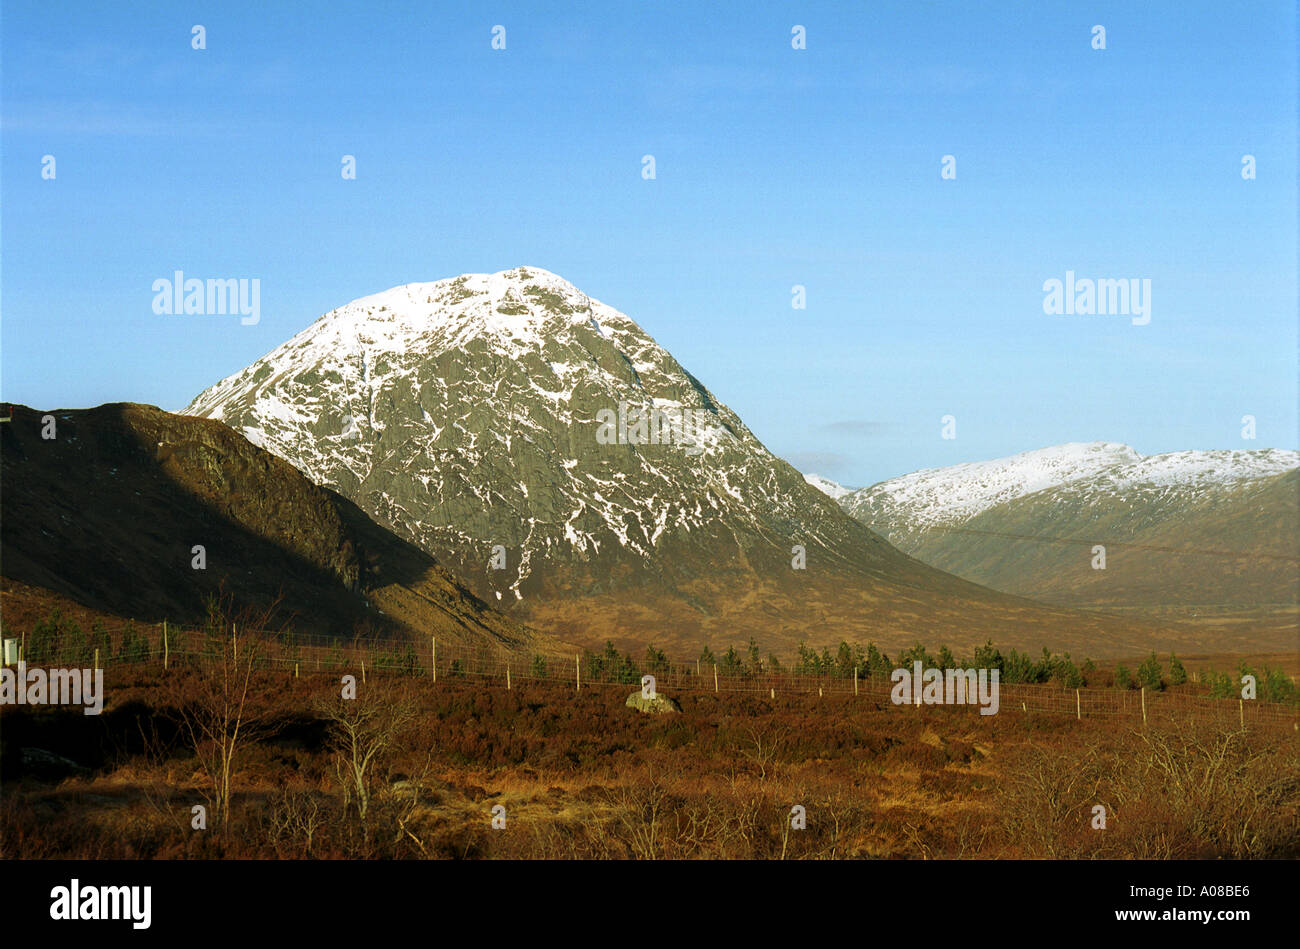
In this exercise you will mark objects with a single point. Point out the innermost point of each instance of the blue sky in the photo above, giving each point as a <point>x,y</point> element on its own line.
<point>775,167</point>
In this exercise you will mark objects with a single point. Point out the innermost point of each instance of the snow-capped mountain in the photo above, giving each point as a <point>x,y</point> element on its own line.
<point>826,486</point>
<point>494,419</point>
<point>1191,531</point>
<point>501,409</point>
<point>939,496</point>
<point>1186,474</point>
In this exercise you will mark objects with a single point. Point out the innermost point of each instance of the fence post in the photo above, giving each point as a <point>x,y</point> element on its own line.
<point>507,676</point>
<point>234,641</point>
<point>295,670</point>
<point>165,654</point>
<point>1078,707</point>
<point>1241,711</point>
<point>1144,705</point>
<point>855,680</point>
<point>433,652</point>
<point>96,658</point>
<point>577,672</point>
<point>363,672</point>
<point>715,677</point>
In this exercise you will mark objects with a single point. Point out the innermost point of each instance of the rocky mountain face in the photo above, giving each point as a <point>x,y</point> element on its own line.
<point>1188,532</point>
<point>107,512</point>
<point>546,449</point>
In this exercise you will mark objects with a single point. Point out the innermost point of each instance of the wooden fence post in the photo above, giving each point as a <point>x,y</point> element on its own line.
<point>773,693</point>
<point>855,680</point>
<point>96,658</point>
<point>507,677</point>
<point>1144,705</point>
<point>363,672</point>
<point>295,670</point>
<point>1241,712</point>
<point>715,677</point>
<point>433,649</point>
<point>1078,707</point>
<point>577,672</point>
<point>166,654</point>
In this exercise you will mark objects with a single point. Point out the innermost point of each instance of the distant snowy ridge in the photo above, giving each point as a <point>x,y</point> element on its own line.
<point>827,486</point>
<point>937,497</point>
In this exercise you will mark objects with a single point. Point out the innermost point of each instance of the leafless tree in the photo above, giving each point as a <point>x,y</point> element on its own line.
<point>362,732</point>
<point>220,711</point>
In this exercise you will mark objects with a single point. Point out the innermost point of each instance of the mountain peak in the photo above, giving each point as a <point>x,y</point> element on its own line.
<point>524,302</point>
<point>512,314</point>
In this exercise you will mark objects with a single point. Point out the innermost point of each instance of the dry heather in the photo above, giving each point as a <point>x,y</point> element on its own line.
<point>414,770</point>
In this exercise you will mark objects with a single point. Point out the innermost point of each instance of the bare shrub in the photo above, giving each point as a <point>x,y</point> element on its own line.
<point>763,745</point>
<point>642,808</point>
<point>1181,790</point>
<point>1224,794</point>
<point>294,818</point>
<point>1046,796</point>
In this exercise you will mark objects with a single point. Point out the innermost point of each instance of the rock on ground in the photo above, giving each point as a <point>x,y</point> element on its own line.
<point>657,705</point>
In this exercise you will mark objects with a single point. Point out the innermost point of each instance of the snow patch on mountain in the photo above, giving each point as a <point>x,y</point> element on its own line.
<point>1187,471</point>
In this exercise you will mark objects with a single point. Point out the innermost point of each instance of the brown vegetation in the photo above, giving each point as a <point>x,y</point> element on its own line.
<point>414,769</point>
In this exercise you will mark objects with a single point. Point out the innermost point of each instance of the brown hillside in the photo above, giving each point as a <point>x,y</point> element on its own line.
<point>105,515</point>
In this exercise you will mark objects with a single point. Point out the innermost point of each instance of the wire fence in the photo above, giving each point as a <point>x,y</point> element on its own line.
<point>490,665</point>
